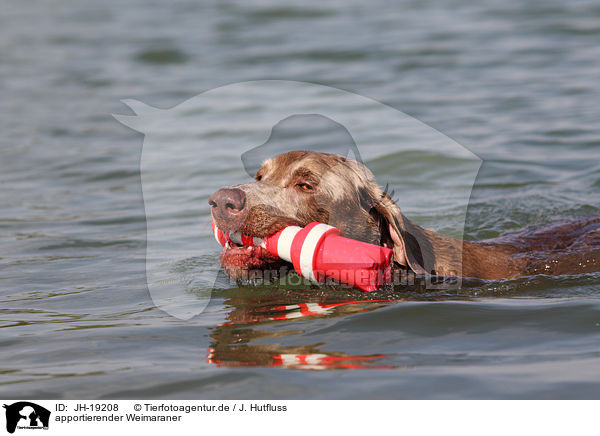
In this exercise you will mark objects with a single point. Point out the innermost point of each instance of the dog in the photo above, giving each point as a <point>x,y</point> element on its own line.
<point>301,187</point>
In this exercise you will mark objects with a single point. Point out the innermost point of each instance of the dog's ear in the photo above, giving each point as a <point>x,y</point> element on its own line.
<point>411,244</point>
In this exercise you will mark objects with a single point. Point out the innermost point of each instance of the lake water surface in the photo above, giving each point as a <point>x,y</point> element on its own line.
<point>516,83</point>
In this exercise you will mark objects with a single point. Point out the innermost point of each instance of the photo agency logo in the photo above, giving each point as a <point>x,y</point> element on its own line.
<point>249,150</point>
<point>24,415</point>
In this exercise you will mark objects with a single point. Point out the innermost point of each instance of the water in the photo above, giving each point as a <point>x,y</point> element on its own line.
<point>515,83</point>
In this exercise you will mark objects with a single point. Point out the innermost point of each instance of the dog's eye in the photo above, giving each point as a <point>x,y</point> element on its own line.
<point>258,177</point>
<point>305,187</point>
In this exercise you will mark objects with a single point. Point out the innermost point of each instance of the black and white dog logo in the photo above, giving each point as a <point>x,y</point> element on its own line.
<point>26,415</point>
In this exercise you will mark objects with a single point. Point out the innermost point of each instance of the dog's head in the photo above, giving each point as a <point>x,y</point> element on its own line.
<point>301,187</point>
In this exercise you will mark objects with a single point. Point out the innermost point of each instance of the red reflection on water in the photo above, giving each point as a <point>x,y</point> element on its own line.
<point>231,340</point>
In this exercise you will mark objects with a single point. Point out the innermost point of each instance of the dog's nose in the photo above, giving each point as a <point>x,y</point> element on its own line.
<point>228,206</point>
<point>232,200</point>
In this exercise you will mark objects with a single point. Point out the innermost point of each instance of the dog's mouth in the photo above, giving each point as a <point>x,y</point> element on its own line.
<point>252,263</point>
<point>245,263</point>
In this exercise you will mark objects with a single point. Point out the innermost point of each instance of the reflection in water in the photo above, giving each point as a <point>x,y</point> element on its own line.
<point>230,345</point>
